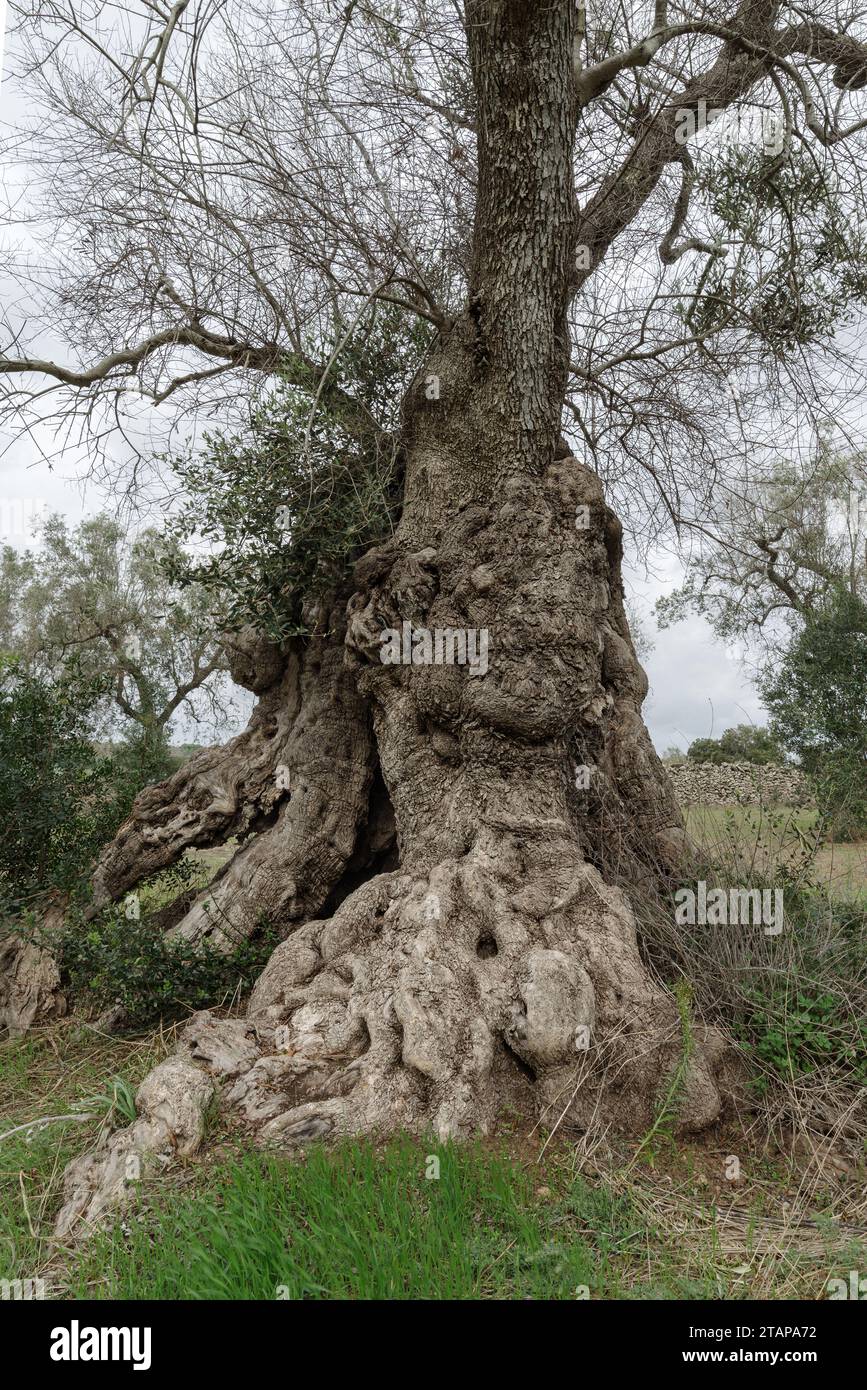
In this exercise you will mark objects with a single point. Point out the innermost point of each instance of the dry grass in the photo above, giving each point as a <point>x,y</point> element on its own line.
<point>795,1004</point>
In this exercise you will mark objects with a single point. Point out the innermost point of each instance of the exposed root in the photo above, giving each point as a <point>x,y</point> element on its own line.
<point>220,792</point>
<point>432,1004</point>
<point>171,1104</point>
<point>299,775</point>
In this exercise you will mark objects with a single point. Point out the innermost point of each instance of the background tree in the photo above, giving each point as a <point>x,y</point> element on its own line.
<point>517,177</point>
<point>60,800</point>
<point>105,598</point>
<point>779,549</point>
<point>743,744</point>
<point>817,698</point>
<point>784,569</point>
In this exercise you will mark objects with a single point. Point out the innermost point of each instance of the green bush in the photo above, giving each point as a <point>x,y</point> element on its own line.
<point>796,1002</point>
<point>743,744</point>
<point>138,762</point>
<point>840,780</point>
<point>60,800</point>
<point>150,975</point>
<point>801,1010</point>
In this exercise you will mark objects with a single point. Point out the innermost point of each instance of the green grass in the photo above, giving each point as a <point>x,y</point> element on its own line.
<point>361,1222</point>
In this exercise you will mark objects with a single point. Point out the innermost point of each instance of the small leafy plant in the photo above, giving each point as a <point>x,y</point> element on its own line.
<point>794,1036</point>
<point>116,1103</point>
<point>134,965</point>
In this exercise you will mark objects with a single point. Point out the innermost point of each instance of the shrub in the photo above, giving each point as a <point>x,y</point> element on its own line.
<point>150,975</point>
<point>743,744</point>
<point>795,1035</point>
<point>59,799</point>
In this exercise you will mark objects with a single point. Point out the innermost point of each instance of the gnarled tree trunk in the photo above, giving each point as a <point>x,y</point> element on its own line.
<point>299,788</point>
<point>494,966</point>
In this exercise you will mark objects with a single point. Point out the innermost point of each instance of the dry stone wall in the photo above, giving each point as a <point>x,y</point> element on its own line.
<point>719,784</point>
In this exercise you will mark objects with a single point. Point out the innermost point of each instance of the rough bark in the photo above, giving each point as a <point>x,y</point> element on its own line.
<point>171,1103</point>
<point>495,968</point>
<point>631,823</point>
<point>30,990</point>
<point>221,791</point>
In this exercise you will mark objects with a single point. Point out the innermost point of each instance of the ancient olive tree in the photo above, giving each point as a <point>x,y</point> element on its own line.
<point>528,179</point>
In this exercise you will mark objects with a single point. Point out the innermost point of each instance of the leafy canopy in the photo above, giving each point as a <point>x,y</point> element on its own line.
<point>817,698</point>
<point>279,510</point>
<point>743,744</point>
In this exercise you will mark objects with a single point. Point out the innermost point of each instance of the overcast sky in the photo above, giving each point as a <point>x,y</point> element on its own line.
<point>697,687</point>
